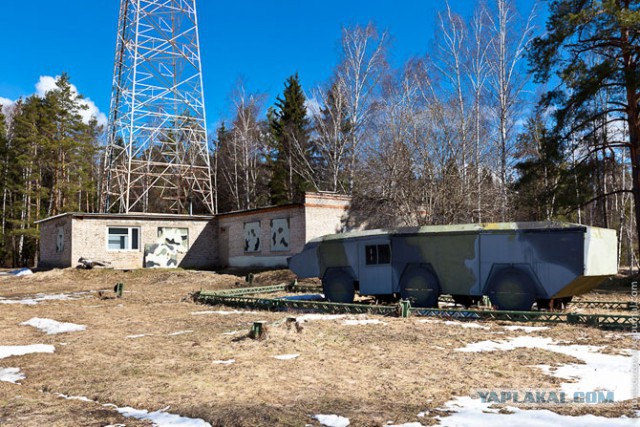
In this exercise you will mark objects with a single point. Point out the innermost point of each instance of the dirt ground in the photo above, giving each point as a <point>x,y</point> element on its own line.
<point>155,348</point>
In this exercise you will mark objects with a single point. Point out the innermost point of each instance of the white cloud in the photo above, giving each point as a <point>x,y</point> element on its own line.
<point>313,107</point>
<point>6,104</point>
<point>48,83</point>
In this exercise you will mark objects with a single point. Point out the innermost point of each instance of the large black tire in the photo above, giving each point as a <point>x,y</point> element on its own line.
<point>512,289</point>
<point>420,285</point>
<point>337,285</point>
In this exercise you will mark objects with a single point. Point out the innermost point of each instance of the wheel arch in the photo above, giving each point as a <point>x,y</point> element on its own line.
<point>499,268</point>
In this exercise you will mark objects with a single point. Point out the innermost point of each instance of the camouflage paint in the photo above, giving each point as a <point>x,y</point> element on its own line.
<point>464,256</point>
<point>164,254</point>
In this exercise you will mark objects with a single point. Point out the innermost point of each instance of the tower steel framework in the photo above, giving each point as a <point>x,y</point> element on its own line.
<point>157,157</point>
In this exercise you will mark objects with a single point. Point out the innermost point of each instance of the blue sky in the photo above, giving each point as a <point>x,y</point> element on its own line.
<point>262,42</point>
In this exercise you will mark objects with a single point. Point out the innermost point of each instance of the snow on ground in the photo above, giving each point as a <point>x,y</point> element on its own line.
<point>161,418</point>
<point>173,334</point>
<point>21,272</point>
<point>472,412</point>
<point>36,299</point>
<point>526,329</point>
<point>81,398</point>
<point>471,325</point>
<point>305,297</point>
<point>599,372</point>
<point>11,375</point>
<point>332,420</point>
<point>133,337</point>
<point>222,312</point>
<point>316,316</point>
<point>224,362</point>
<point>52,327</point>
<point>21,350</point>
<point>354,322</point>
<point>464,324</point>
<point>286,356</point>
<point>158,418</point>
<point>415,424</point>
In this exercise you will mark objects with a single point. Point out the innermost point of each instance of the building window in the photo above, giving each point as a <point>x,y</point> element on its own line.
<point>124,238</point>
<point>377,254</point>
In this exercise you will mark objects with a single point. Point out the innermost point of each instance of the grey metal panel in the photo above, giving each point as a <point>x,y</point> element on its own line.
<point>375,279</point>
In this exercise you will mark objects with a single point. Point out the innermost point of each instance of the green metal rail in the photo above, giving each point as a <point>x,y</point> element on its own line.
<point>608,305</point>
<point>238,298</point>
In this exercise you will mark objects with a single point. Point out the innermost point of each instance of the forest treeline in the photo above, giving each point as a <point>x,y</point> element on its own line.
<point>491,124</point>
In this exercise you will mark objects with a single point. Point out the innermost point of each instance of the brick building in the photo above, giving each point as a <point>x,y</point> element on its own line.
<point>263,237</point>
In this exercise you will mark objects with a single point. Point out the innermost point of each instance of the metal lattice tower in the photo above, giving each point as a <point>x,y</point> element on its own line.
<point>157,157</point>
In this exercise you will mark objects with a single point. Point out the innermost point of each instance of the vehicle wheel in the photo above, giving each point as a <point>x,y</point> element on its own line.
<point>512,289</point>
<point>420,286</point>
<point>337,286</point>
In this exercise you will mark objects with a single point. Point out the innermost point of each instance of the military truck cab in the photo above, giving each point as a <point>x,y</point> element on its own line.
<point>514,264</point>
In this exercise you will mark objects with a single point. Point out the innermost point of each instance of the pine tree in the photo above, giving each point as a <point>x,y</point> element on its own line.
<point>293,154</point>
<point>593,47</point>
<point>4,161</point>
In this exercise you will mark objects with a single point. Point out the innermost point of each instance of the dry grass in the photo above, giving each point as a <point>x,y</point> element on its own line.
<point>370,373</point>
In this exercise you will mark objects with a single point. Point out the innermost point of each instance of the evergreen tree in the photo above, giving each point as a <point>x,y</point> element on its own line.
<point>293,153</point>
<point>541,166</point>
<point>4,161</point>
<point>593,47</point>
<point>49,165</point>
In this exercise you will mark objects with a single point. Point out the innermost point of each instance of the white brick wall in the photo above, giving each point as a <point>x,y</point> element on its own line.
<point>90,241</point>
<point>86,236</point>
<point>212,242</point>
<point>233,225</point>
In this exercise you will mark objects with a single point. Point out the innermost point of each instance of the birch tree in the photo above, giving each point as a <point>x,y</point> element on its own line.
<point>509,41</point>
<point>362,66</point>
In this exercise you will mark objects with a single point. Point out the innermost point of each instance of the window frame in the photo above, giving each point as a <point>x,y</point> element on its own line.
<point>130,229</point>
<point>376,254</point>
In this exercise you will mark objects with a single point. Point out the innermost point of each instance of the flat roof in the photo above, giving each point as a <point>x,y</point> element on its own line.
<point>459,228</point>
<point>133,215</point>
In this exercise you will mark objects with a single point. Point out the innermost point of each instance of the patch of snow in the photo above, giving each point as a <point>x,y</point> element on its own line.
<point>315,316</point>
<point>37,298</point>
<point>11,375</point>
<point>158,418</point>
<point>52,327</point>
<point>471,325</point>
<point>224,362</point>
<point>222,312</point>
<point>473,412</point>
<point>81,398</point>
<point>133,337</point>
<point>526,329</point>
<point>162,419</point>
<point>599,371</point>
<point>21,272</point>
<point>21,350</point>
<point>230,333</point>
<point>332,420</point>
<point>173,334</point>
<point>286,356</point>
<point>306,297</point>
<point>354,322</point>
<point>423,414</point>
